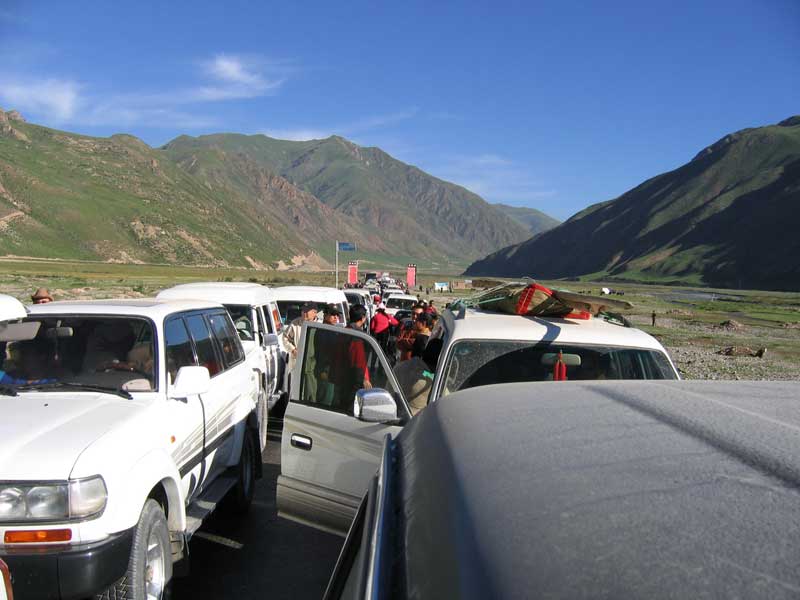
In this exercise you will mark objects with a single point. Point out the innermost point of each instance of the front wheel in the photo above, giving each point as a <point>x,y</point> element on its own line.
<point>150,565</point>
<point>241,496</point>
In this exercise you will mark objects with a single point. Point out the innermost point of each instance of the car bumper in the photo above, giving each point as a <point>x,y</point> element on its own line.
<point>67,573</point>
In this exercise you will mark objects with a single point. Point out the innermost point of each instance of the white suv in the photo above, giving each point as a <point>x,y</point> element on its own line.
<point>345,398</point>
<point>255,315</point>
<point>124,423</point>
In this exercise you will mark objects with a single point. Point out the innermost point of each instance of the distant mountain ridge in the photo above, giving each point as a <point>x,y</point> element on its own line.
<point>730,217</point>
<point>230,200</point>
<point>402,210</point>
<point>534,220</point>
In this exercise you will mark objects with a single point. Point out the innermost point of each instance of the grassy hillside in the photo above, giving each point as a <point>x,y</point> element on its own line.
<point>400,210</point>
<point>230,200</point>
<point>728,218</point>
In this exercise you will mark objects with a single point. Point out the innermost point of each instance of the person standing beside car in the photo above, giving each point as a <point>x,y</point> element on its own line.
<point>379,326</point>
<point>405,340</point>
<point>291,334</point>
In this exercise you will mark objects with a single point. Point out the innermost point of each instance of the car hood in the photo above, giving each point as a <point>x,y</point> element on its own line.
<point>43,434</point>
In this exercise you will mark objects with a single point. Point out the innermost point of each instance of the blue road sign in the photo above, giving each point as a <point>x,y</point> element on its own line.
<point>347,247</point>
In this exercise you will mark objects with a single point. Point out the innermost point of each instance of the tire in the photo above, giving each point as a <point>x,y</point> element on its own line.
<point>262,411</point>
<point>241,496</point>
<point>149,572</point>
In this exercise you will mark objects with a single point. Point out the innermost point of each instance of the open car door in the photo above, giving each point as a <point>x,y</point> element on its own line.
<point>328,454</point>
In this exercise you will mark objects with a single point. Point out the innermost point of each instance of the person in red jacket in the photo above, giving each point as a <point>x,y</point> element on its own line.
<point>379,326</point>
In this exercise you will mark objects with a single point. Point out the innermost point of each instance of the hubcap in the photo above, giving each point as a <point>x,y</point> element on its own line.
<point>154,568</point>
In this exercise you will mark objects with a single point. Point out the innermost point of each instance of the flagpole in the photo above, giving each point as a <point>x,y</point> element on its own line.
<point>337,264</point>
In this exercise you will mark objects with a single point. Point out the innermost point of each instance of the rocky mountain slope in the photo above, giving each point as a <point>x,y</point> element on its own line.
<point>535,221</point>
<point>729,218</point>
<point>399,209</point>
<point>229,200</point>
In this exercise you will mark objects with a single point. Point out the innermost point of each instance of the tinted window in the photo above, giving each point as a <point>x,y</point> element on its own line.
<point>242,320</point>
<point>222,327</point>
<point>473,363</point>
<point>336,366</point>
<point>264,326</point>
<point>178,347</point>
<point>206,353</point>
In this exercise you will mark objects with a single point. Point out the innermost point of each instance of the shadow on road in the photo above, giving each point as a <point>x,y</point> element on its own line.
<point>259,555</point>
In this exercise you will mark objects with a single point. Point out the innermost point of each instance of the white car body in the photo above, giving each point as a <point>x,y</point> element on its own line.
<point>261,337</point>
<point>328,454</point>
<point>365,297</point>
<point>401,302</point>
<point>151,445</point>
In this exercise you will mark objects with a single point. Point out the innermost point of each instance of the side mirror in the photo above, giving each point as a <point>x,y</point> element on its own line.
<point>190,381</point>
<point>374,406</point>
<point>271,339</point>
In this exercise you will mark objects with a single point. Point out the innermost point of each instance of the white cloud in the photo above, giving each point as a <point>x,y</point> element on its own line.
<point>227,77</point>
<point>496,178</point>
<point>54,97</point>
<point>298,135</point>
<point>349,129</point>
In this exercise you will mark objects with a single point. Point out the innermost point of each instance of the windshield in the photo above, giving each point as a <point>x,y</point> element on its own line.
<point>405,303</point>
<point>473,363</point>
<point>97,351</point>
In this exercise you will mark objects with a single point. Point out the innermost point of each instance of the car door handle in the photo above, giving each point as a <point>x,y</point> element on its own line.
<point>301,441</point>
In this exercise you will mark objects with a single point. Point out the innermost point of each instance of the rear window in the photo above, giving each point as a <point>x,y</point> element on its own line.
<point>404,303</point>
<point>473,363</point>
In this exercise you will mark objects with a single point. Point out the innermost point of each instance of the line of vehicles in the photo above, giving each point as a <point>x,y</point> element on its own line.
<point>125,423</point>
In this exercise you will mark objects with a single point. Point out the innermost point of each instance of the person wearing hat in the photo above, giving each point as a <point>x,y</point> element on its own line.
<point>331,315</point>
<point>41,296</point>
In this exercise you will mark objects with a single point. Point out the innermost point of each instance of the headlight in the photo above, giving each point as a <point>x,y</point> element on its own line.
<point>77,499</point>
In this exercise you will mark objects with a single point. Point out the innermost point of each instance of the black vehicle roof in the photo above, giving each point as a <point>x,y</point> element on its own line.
<point>604,489</point>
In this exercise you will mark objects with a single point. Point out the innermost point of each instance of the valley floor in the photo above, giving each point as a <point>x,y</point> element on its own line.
<point>693,324</point>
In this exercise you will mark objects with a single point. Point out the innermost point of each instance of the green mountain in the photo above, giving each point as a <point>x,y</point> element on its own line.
<point>535,221</point>
<point>399,209</point>
<point>229,200</point>
<point>729,218</point>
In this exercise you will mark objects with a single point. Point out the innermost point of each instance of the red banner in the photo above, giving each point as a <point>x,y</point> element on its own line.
<point>411,276</point>
<point>352,271</point>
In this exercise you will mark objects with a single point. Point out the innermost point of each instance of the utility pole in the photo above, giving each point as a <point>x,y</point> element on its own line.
<point>337,264</point>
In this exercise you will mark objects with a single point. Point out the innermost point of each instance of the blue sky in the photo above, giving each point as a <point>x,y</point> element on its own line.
<point>554,105</point>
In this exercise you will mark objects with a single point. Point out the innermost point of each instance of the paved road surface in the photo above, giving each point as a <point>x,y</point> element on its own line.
<point>260,555</point>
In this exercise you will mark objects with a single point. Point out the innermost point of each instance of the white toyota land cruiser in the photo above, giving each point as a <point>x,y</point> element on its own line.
<point>123,424</point>
<point>258,323</point>
<point>345,397</point>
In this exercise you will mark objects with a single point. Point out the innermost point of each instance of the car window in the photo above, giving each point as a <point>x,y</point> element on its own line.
<point>204,344</point>
<point>242,320</point>
<point>473,363</point>
<point>229,343</point>
<point>179,352</point>
<point>335,367</point>
<point>108,351</point>
<point>405,303</point>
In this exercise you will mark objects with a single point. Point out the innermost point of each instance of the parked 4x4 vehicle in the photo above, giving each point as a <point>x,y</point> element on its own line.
<point>124,423</point>
<point>606,489</point>
<point>257,320</point>
<point>334,426</point>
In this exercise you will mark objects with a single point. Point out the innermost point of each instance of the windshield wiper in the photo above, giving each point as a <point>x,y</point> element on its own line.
<point>80,387</point>
<point>7,390</point>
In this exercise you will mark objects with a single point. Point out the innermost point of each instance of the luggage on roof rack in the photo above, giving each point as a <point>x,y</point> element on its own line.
<point>529,298</point>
